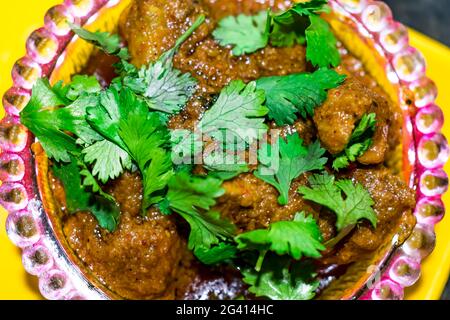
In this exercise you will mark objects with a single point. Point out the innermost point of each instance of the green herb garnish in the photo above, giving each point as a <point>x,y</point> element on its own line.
<point>82,84</point>
<point>281,278</point>
<point>237,114</point>
<point>146,138</point>
<point>78,199</point>
<point>356,205</point>
<point>48,117</point>
<point>217,254</point>
<point>246,34</point>
<point>297,238</point>
<point>297,93</point>
<point>299,24</point>
<point>109,43</point>
<point>307,8</point>
<point>164,88</point>
<point>361,140</point>
<point>280,167</point>
<point>321,48</point>
<point>192,198</point>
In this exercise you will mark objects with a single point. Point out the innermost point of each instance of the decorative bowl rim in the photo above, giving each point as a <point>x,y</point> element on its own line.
<point>405,67</point>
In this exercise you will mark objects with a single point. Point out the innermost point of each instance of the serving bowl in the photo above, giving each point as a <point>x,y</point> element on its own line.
<point>366,28</point>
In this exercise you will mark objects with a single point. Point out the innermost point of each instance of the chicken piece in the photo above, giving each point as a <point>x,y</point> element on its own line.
<point>151,27</point>
<point>338,116</point>
<point>129,260</point>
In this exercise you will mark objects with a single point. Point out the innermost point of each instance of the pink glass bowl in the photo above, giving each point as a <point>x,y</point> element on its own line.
<point>425,149</point>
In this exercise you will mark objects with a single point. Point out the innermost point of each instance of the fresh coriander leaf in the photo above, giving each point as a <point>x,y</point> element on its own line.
<point>367,123</point>
<point>207,229</point>
<point>82,84</point>
<point>308,8</point>
<point>289,35</point>
<point>50,123</point>
<point>361,140</point>
<point>246,34</point>
<point>289,27</point>
<point>165,88</point>
<point>192,197</point>
<point>321,49</point>
<point>90,181</point>
<point>280,167</point>
<point>61,91</point>
<point>297,238</point>
<point>297,93</point>
<point>187,149</point>
<point>351,153</point>
<point>124,68</point>
<point>192,193</point>
<point>216,254</point>
<point>238,112</point>
<point>56,143</point>
<point>109,160</point>
<point>43,97</point>
<point>72,118</point>
<point>109,43</point>
<point>107,213</point>
<point>114,106</point>
<point>282,279</point>
<point>341,162</point>
<point>110,156</point>
<point>327,192</point>
<point>145,139</point>
<point>78,199</point>
<point>234,121</point>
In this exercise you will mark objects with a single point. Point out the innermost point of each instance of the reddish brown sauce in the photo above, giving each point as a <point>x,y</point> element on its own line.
<point>147,258</point>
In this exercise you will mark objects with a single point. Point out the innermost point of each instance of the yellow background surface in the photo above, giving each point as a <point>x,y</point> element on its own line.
<point>19,18</point>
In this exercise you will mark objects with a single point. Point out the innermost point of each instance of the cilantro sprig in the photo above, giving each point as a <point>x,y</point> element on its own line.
<point>234,121</point>
<point>360,141</point>
<point>146,138</point>
<point>109,43</point>
<point>280,278</point>
<point>78,198</point>
<point>49,122</point>
<point>164,88</point>
<point>286,96</point>
<point>276,275</point>
<point>246,34</point>
<point>302,24</point>
<point>220,253</point>
<point>192,197</point>
<point>297,238</point>
<point>299,24</point>
<point>306,8</point>
<point>280,167</point>
<point>237,114</point>
<point>356,205</point>
<point>321,48</point>
<point>51,114</point>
